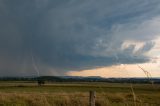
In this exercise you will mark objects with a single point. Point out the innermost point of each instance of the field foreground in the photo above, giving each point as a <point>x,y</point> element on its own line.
<point>77,94</point>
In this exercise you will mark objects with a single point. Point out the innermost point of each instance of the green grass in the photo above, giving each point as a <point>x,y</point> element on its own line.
<point>77,94</point>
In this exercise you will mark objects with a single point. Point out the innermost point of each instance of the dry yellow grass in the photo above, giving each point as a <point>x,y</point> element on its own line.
<point>74,94</point>
<point>66,99</point>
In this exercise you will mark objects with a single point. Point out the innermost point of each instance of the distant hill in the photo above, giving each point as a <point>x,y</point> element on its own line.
<point>82,79</point>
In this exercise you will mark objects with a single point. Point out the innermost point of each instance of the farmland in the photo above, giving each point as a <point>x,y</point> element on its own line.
<point>24,93</point>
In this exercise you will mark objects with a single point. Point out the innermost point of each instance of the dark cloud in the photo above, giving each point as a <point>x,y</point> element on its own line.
<point>59,36</point>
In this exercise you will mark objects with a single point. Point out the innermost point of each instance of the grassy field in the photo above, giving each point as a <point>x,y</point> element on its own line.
<point>77,94</point>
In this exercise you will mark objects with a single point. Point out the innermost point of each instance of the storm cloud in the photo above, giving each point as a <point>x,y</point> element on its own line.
<point>56,36</point>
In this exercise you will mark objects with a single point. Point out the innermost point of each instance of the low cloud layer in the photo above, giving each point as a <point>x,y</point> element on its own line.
<point>56,36</point>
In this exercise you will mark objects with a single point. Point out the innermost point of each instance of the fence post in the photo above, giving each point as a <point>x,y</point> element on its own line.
<point>92,96</point>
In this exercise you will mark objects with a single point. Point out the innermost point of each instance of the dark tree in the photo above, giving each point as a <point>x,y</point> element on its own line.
<point>40,82</point>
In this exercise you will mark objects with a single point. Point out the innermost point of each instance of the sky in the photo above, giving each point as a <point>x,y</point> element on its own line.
<point>108,38</point>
